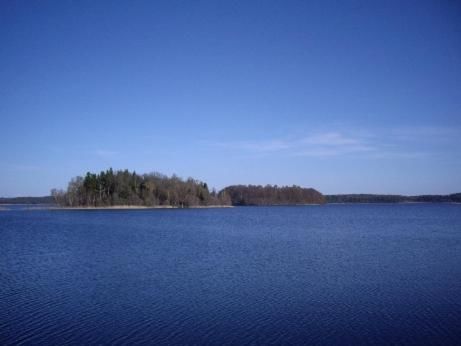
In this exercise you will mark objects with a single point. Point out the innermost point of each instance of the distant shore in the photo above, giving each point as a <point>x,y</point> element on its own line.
<point>5,207</point>
<point>390,203</point>
<point>134,207</point>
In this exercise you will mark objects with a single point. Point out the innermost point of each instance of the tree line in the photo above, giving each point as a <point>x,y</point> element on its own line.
<point>109,188</point>
<point>272,195</point>
<point>27,200</point>
<point>371,198</point>
<point>122,187</point>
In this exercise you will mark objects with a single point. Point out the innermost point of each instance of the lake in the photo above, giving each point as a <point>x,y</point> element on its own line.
<point>334,274</point>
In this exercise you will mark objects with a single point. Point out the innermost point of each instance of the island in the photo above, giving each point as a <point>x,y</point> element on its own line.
<point>124,188</point>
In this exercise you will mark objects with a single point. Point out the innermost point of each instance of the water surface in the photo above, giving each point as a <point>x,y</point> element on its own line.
<point>349,274</point>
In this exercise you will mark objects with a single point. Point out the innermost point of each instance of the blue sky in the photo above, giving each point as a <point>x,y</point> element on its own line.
<point>342,96</point>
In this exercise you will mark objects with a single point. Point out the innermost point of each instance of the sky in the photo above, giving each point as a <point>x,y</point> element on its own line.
<point>341,96</point>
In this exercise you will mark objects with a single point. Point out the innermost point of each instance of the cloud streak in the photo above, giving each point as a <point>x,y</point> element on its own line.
<point>402,142</point>
<point>105,154</point>
<point>317,144</point>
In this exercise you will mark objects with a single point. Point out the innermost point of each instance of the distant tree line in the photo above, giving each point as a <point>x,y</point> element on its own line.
<point>122,187</point>
<point>371,198</point>
<point>27,200</point>
<point>109,188</point>
<point>272,195</point>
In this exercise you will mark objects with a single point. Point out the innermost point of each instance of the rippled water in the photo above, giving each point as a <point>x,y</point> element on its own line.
<point>350,274</point>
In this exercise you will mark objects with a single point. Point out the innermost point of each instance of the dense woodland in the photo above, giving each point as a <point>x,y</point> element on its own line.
<point>110,188</point>
<point>123,187</point>
<point>369,198</point>
<point>272,195</point>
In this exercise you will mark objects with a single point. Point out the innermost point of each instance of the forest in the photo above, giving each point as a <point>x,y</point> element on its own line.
<point>111,188</point>
<point>272,195</point>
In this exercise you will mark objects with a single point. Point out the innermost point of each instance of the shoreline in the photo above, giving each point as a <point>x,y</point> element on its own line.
<point>339,203</point>
<point>135,207</point>
<point>4,207</point>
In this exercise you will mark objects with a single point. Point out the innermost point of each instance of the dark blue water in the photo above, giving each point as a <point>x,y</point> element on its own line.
<point>336,274</point>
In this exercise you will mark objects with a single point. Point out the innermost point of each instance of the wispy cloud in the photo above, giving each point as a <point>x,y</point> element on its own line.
<point>315,144</point>
<point>256,146</point>
<point>332,144</point>
<point>333,150</point>
<point>104,154</point>
<point>330,139</point>
<point>402,142</point>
